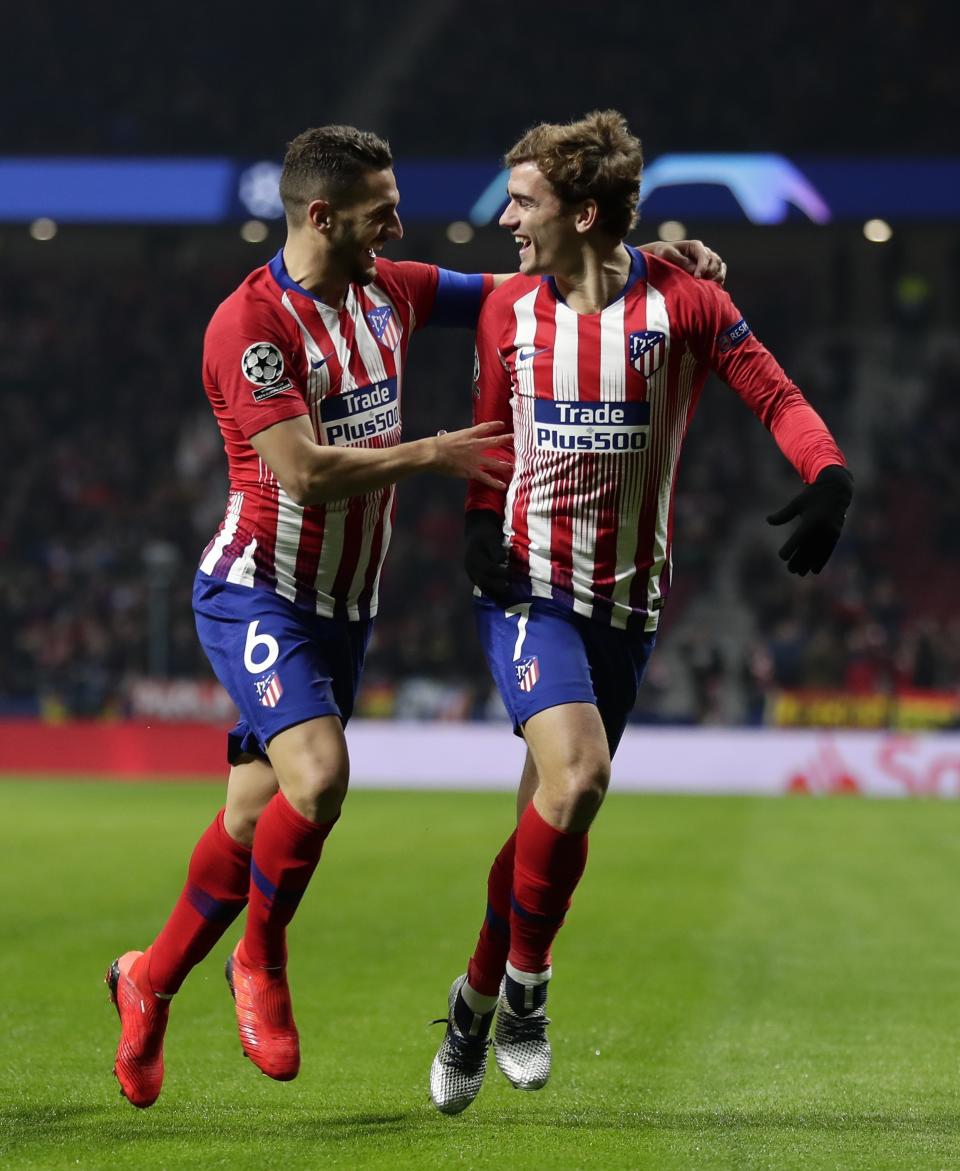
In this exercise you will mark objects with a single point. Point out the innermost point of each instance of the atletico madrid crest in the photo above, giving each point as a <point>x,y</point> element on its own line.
<point>269,690</point>
<point>384,325</point>
<point>528,672</point>
<point>647,350</point>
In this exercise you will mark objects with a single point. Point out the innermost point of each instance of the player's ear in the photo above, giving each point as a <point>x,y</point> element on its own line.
<point>318,214</point>
<point>586,215</point>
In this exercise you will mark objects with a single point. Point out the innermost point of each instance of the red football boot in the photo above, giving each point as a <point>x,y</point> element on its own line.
<point>268,1033</point>
<point>143,1022</point>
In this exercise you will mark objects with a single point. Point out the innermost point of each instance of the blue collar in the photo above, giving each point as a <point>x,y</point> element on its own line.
<point>278,270</point>
<point>638,268</point>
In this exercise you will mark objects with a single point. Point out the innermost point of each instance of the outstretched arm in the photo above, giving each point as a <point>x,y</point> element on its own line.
<point>733,351</point>
<point>822,509</point>
<point>313,473</point>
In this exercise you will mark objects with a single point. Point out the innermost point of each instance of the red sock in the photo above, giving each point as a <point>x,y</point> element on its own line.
<point>286,850</point>
<point>215,893</point>
<point>489,960</point>
<point>546,871</point>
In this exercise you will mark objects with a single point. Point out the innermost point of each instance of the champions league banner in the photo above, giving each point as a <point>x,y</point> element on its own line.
<point>711,188</point>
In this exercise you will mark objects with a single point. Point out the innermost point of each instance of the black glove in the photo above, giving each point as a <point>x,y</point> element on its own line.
<point>485,558</point>
<point>822,508</point>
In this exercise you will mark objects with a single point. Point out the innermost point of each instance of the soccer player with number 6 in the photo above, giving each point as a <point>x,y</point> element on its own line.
<point>303,366</point>
<point>598,352</point>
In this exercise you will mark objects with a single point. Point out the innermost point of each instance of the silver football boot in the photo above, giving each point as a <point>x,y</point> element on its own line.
<point>520,1042</point>
<point>456,1074</point>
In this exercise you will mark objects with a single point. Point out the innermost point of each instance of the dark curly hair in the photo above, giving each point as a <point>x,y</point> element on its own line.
<point>595,158</point>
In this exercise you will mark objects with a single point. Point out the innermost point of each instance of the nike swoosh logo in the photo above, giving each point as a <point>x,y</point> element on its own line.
<point>324,358</point>
<point>528,353</point>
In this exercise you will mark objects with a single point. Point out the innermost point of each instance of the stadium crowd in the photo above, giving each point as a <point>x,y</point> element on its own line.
<point>885,618</point>
<point>116,482</point>
<point>115,474</point>
<point>196,84</point>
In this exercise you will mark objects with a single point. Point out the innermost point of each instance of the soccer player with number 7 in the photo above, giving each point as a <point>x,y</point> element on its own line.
<point>598,353</point>
<point>303,366</point>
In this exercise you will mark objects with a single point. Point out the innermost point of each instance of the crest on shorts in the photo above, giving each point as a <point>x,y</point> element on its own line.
<point>528,672</point>
<point>383,322</point>
<point>269,690</point>
<point>647,350</point>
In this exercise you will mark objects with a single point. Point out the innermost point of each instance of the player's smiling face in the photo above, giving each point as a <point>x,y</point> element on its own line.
<point>542,225</point>
<point>362,225</point>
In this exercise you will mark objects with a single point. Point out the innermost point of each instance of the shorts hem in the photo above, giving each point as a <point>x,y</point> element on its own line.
<point>518,724</point>
<point>239,745</point>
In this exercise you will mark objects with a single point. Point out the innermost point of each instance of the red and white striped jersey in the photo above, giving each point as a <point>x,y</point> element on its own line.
<point>601,403</point>
<point>273,351</point>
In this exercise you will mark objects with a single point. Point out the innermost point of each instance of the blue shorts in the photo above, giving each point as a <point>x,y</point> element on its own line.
<point>542,655</point>
<point>280,664</point>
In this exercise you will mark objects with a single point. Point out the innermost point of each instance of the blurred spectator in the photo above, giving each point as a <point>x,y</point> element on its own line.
<point>116,481</point>
<point>191,81</point>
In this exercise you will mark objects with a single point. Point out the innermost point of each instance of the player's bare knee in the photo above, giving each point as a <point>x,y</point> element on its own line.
<point>318,789</point>
<point>586,802</point>
<point>579,797</point>
<point>250,790</point>
<point>241,823</point>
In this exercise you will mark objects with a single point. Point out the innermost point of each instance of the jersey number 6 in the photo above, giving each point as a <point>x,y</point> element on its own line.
<point>266,643</point>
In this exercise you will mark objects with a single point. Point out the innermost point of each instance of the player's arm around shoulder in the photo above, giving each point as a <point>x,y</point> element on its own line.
<point>436,296</point>
<point>690,256</point>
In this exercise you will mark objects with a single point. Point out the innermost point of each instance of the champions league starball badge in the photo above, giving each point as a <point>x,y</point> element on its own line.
<point>262,364</point>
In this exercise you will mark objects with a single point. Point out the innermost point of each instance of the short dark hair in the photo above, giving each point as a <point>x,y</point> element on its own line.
<point>594,158</point>
<point>325,162</point>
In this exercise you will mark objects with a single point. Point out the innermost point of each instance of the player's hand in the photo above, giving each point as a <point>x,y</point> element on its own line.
<point>693,256</point>
<point>822,508</point>
<point>483,453</point>
<point>485,558</point>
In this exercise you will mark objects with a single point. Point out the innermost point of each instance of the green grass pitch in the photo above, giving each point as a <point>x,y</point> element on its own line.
<point>742,983</point>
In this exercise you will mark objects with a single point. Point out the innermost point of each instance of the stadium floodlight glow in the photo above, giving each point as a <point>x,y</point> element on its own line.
<point>705,189</point>
<point>877,231</point>
<point>254,231</point>
<point>460,232</point>
<point>671,230</point>
<point>43,228</point>
<point>259,190</point>
<point>764,185</point>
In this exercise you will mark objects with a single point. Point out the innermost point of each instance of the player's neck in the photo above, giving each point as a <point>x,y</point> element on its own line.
<point>310,270</point>
<point>597,278</point>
